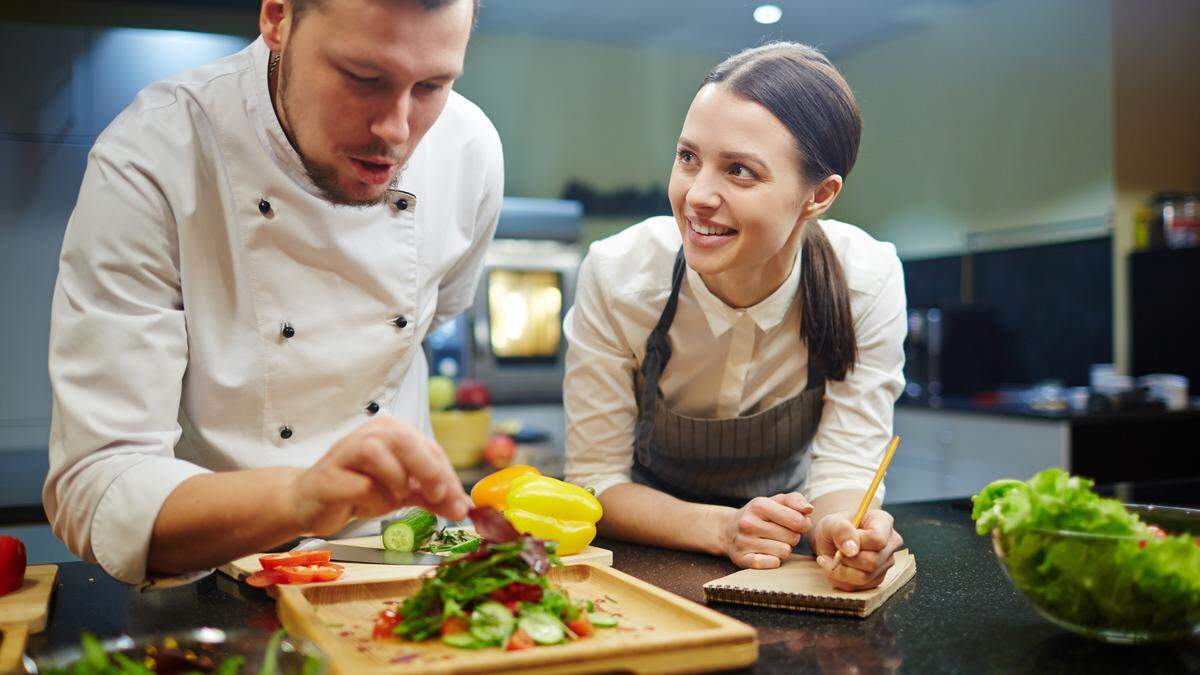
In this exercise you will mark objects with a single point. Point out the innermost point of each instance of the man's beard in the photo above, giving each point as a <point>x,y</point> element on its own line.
<point>325,176</point>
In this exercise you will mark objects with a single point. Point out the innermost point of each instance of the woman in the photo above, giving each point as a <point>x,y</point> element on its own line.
<point>721,361</point>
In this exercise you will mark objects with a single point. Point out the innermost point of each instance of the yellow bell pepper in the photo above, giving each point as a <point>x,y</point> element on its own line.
<point>493,488</point>
<point>549,508</point>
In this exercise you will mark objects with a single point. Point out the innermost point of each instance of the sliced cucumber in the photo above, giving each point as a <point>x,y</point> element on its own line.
<point>544,628</point>
<point>463,641</point>
<point>602,620</point>
<point>468,546</point>
<point>492,623</point>
<point>410,531</point>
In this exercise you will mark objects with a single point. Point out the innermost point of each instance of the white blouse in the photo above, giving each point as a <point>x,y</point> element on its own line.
<point>727,362</point>
<point>214,313</point>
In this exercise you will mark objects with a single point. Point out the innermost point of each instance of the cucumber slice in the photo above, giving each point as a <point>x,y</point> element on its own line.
<point>602,620</point>
<point>410,531</point>
<point>492,623</point>
<point>462,641</point>
<point>544,628</point>
<point>468,546</point>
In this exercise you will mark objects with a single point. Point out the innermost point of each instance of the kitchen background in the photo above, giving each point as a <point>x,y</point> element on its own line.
<point>1034,162</point>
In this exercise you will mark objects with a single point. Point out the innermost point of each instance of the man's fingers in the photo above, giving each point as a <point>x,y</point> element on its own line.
<point>421,458</point>
<point>372,458</point>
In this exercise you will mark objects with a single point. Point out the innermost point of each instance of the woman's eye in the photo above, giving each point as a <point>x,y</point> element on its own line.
<point>740,171</point>
<point>684,156</point>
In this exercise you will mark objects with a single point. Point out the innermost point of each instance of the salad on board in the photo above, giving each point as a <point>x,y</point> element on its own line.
<point>496,596</point>
<point>1126,574</point>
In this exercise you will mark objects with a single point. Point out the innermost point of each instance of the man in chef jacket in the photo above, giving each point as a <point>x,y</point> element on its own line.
<point>258,249</point>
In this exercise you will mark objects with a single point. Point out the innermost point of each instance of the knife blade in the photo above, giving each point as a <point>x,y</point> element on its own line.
<point>378,556</point>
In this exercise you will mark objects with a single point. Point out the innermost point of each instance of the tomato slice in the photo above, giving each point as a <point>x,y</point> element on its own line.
<point>305,574</point>
<point>288,558</point>
<point>519,640</point>
<point>455,624</point>
<point>266,578</point>
<point>580,626</point>
<point>385,624</point>
<point>327,571</point>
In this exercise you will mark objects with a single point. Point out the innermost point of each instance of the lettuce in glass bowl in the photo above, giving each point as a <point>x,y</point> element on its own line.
<point>1095,566</point>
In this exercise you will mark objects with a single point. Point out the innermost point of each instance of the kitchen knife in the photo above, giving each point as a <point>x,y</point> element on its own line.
<point>378,556</point>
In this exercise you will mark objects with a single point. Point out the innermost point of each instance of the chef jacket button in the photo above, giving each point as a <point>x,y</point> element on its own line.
<point>372,407</point>
<point>287,331</point>
<point>285,432</point>
<point>264,207</point>
<point>400,321</point>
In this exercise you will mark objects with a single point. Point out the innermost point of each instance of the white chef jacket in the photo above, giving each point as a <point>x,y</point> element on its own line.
<point>197,236</point>
<point>727,362</point>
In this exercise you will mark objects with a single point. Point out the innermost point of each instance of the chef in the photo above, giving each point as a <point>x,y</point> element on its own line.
<point>258,248</point>
<point>724,359</point>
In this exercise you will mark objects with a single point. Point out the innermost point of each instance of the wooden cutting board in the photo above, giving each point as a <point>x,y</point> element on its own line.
<point>23,612</point>
<point>658,632</point>
<point>359,572</point>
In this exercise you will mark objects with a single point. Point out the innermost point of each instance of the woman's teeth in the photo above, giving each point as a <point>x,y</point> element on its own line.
<point>705,229</point>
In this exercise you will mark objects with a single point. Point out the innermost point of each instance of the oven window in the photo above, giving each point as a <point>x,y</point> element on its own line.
<point>525,308</point>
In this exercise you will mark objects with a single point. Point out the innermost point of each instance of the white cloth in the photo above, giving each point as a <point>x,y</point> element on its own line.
<point>167,357</point>
<point>727,362</point>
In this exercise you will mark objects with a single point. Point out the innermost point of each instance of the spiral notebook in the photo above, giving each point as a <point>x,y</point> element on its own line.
<point>800,584</point>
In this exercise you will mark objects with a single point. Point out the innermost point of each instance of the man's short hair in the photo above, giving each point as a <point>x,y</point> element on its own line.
<point>299,7</point>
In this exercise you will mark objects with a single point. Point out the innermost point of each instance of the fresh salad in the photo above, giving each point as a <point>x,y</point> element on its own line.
<point>496,596</point>
<point>1131,575</point>
<point>169,658</point>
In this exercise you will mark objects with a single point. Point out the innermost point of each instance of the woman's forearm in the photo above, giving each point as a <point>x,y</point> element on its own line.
<point>839,500</point>
<point>641,514</point>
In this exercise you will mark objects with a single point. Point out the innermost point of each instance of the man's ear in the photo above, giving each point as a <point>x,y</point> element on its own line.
<point>274,22</point>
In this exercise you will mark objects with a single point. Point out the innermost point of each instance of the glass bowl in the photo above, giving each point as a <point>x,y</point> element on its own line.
<point>200,650</point>
<point>1106,587</point>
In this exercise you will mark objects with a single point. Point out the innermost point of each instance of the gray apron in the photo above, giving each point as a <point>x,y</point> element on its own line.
<point>719,461</point>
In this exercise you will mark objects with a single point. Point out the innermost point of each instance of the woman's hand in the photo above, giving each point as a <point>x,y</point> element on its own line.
<point>761,534</point>
<point>867,552</point>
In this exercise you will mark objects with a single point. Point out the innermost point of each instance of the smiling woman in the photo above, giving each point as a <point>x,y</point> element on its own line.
<point>726,358</point>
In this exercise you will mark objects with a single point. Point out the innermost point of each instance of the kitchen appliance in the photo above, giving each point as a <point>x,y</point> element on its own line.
<point>951,350</point>
<point>511,338</point>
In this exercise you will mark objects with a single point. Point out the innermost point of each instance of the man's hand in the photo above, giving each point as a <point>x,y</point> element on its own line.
<point>867,552</point>
<point>761,534</point>
<point>379,467</point>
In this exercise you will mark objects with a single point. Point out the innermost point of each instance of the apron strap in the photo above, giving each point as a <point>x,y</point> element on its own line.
<point>658,353</point>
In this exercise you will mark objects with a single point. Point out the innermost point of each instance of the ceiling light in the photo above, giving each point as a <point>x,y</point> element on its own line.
<point>767,13</point>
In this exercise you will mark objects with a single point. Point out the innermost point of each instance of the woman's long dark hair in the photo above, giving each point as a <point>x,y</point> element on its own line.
<point>809,96</point>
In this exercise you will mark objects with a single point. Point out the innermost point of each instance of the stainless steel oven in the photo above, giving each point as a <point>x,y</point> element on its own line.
<point>511,338</point>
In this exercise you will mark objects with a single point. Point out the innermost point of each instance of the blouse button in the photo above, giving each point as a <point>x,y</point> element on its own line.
<point>402,204</point>
<point>287,331</point>
<point>264,207</point>
<point>400,321</point>
<point>285,432</point>
<point>372,407</point>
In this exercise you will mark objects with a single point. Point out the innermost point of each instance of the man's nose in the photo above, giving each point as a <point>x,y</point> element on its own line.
<point>392,125</point>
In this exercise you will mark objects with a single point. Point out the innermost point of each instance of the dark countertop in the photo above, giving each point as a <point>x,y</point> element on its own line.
<point>967,404</point>
<point>959,614</point>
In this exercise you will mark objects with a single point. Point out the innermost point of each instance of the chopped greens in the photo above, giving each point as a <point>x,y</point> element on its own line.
<point>496,595</point>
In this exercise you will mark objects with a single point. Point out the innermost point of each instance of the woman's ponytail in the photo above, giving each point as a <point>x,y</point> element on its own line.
<point>826,323</point>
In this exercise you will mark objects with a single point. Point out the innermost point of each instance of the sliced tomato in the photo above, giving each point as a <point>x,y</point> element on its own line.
<point>1156,531</point>
<point>327,571</point>
<point>519,640</point>
<point>455,624</point>
<point>513,606</point>
<point>273,561</point>
<point>385,624</point>
<point>518,591</point>
<point>580,626</point>
<point>266,578</point>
